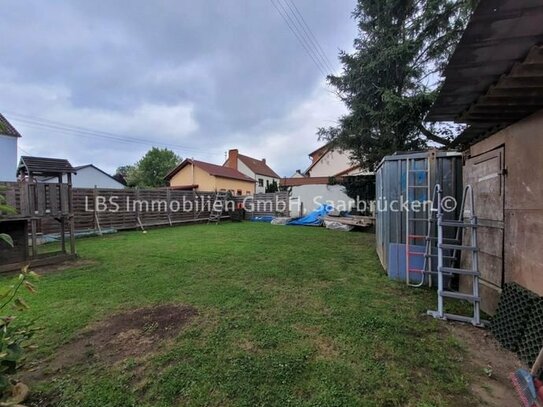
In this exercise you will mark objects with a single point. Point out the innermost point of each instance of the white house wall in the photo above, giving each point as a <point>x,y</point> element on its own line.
<point>265,180</point>
<point>313,195</point>
<point>332,163</point>
<point>8,158</point>
<point>90,177</point>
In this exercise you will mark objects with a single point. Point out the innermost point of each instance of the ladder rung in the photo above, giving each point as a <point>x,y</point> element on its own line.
<point>459,296</point>
<point>416,253</point>
<point>418,171</point>
<point>416,271</point>
<point>419,220</point>
<point>464,272</point>
<point>418,186</point>
<point>448,239</point>
<point>457,224</point>
<point>445,257</point>
<point>458,247</point>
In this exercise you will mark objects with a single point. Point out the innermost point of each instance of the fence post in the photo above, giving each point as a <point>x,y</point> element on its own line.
<point>169,200</point>
<point>96,219</point>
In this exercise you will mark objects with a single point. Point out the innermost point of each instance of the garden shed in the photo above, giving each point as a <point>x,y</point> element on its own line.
<point>494,85</point>
<point>404,178</point>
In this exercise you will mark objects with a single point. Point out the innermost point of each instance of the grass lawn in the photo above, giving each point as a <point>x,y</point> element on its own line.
<point>287,316</point>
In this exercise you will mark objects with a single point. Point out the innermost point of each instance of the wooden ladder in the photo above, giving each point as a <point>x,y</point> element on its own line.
<point>217,209</point>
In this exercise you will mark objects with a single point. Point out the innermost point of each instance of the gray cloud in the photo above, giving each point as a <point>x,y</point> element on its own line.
<point>205,75</point>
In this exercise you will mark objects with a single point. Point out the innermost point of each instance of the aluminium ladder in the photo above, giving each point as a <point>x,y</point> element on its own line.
<point>470,226</point>
<point>414,190</point>
<point>219,203</point>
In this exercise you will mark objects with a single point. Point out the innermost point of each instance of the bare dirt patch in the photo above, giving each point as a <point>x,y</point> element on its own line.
<point>132,334</point>
<point>490,364</point>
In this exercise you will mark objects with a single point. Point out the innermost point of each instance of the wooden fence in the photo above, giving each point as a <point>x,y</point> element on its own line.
<point>119,209</point>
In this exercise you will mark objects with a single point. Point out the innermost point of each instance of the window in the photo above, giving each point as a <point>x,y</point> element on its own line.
<point>260,182</point>
<point>239,192</point>
<point>248,192</point>
<point>267,183</point>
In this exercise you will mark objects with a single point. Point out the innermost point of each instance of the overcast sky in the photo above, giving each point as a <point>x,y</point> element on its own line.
<point>197,76</point>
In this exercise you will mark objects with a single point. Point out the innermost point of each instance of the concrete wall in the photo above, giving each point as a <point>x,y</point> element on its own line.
<point>307,194</point>
<point>8,158</point>
<point>523,203</point>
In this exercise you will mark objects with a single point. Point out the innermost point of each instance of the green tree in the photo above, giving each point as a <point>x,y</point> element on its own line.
<point>272,187</point>
<point>152,168</point>
<point>389,82</point>
<point>5,209</point>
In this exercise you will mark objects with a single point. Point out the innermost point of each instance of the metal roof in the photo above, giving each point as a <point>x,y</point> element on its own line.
<point>7,129</point>
<point>495,76</point>
<point>44,166</point>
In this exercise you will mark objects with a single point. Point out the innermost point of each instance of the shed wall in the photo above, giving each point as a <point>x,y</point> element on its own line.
<point>391,191</point>
<point>523,203</point>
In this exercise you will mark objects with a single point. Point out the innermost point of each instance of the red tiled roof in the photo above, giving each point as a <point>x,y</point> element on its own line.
<point>293,182</point>
<point>258,166</point>
<point>211,169</point>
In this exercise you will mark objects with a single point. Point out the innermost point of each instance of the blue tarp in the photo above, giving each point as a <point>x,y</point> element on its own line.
<point>313,218</point>
<point>266,219</point>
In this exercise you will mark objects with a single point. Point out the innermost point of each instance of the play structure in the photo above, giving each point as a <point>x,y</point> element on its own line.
<point>44,194</point>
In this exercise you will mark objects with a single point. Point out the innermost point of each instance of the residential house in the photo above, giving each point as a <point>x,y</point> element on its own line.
<point>320,182</point>
<point>328,161</point>
<point>8,150</point>
<point>494,84</point>
<point>253,168</point>
<point>202,176</point>
<point>90,176</point>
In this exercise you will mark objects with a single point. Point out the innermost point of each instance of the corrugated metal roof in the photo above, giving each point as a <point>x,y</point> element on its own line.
<point>44,166</point>
<point>495,76</point>
<point>6,128</point>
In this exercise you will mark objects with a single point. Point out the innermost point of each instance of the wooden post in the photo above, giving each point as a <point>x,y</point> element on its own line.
<point>71,214</point>
<point>194,197</point>
<point>95,211</point>
<point>169,200</point>
<point>62,218</point>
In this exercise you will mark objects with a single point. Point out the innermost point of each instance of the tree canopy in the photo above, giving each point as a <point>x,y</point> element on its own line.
<point>389,82</point>
<point>151,169</point>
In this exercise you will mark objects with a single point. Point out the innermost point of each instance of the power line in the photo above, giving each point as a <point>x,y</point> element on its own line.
<point>50,125</point>
<point>287,19</point>
<point>309,33</point>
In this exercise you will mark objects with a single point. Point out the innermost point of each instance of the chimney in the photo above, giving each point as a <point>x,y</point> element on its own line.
<point>264,160</point>
<point>233,158</point>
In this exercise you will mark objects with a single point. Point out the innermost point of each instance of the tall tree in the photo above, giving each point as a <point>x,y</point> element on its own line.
<point>151,169</point>
<point>389,82</point>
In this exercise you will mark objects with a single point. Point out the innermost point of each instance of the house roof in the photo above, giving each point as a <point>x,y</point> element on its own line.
<point>97,169</point>
<point>6,128</point>
<point>211,169</point>
<point>495,76</point>
<point>293,182</point>
<point>258,166</point>
<point>44,166</point>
